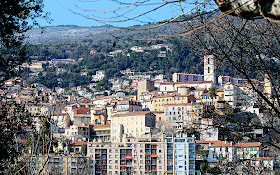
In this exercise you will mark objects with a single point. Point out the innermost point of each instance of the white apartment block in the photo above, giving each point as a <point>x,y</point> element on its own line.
<point>178,113</point>
<point>180,155</point>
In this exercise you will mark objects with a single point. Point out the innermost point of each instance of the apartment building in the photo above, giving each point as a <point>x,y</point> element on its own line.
<point>230,91</point>
<point>183,77</point>
<point>159,102</point>
<point>221,151</point>
<point>172,86</point>
<point>98,115</point>
<point>78,132</point>
<point>178,113</point>
<point>144,155</point>
<point>248,150</point>
<point>57,164</point>
<point>180,155</point>
<point>134,124</point>
<point>127,105</point>
<point>102,132</point>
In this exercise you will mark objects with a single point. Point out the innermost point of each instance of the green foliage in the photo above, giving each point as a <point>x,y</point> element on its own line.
<point>17,16</point>
<point>214,170</point>
<point>84,150</point>
<point>103,85</point>
<point>203,166</point>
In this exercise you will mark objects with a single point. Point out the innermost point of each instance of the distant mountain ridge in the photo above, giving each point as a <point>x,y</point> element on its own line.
<point>52,33</point>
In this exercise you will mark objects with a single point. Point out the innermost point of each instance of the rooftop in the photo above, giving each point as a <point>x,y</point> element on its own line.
<point>249,144</point>
<point>79,143</point>
<point>132,113</point>
<point>186,82</point>
<point>221,144</point>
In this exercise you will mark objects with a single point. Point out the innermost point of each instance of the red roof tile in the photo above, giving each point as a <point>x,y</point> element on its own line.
<point>221,144</point>
<point>132,113</point>
<point>79,143</point>
<point>249,144</point>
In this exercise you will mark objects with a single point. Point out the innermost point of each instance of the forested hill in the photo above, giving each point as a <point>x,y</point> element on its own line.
<point>62,32</point>
<point>79,43</point>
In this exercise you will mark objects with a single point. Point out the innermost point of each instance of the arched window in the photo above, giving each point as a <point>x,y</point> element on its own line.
<point>208,70</point>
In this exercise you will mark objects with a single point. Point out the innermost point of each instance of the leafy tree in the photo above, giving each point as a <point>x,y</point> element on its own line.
<point>103,85</point>
<point>17,16</point>
<point>203,166</point>
<point>84,149</point>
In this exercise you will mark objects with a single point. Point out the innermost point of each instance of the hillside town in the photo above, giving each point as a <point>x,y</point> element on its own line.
<point>167,127</point>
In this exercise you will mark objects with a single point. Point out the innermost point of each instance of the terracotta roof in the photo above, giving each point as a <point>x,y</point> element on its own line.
<point>81,126</point>
<point>102,126</point>
<point>79,143</point>
<point>132,113</point>
<point>101,97</point>
<point>156,91</point>
<point>173,95</point>
<point>129,100</point>
<point>249,144</point>
<point>186,82</point>
<point>221,144</point>
<point>220,90</point>
<point>200,89</point>
<point>178,104</point>
<point>89,124</point>
<point>263,158</point>
<point>21,141</point>
<point>207,119</point>
<point>243,85</point>
<point>206,141</point>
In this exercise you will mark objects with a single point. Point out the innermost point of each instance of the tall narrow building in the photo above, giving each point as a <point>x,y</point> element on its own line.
<point>209,68</point>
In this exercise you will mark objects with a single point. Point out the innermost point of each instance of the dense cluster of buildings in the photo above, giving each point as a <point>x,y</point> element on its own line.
<point>147,133</point>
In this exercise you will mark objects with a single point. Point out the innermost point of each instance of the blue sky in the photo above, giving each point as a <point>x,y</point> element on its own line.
<point>60,12</point>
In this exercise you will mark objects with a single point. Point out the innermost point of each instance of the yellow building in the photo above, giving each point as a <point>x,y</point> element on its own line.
<point>197,111</point>
<point>160,101</point>
<point>218,101</point>
<point>134,124</point>
<point>98,116</point>
<point>102,132</point>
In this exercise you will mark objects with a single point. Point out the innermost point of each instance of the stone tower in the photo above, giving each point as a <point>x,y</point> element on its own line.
<point>209,68</point>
